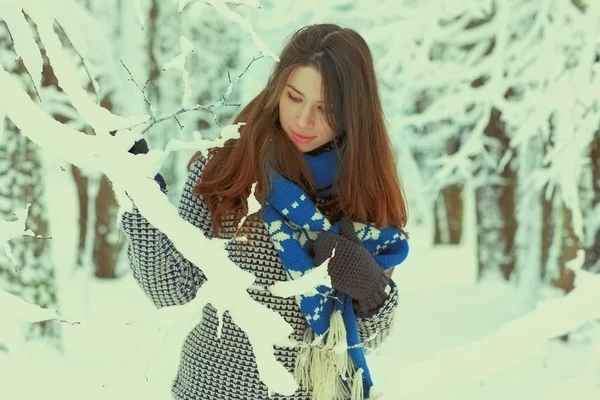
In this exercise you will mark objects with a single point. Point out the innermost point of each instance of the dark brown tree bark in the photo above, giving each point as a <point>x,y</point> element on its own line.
<point>106,248</point>
<point>592,253</point>
<point>568,250</point>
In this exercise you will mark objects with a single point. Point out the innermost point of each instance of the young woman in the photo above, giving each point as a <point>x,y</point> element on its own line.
<point>315,142</point>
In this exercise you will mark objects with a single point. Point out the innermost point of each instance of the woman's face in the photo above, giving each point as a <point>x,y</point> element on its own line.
<point>302,112</point>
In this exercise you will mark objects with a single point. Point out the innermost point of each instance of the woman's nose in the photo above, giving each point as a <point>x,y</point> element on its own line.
<point>305,118</point>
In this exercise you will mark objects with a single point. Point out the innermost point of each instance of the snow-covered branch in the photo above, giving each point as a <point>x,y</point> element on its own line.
<point>154,120</point>
<point>227,13</point>
<point>134,174</point>
<point>534,62</point>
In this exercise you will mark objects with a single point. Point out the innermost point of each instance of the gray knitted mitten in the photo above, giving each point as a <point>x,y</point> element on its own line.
<point>353,270</point>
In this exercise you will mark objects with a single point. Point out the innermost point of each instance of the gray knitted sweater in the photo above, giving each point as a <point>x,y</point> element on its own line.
<point>213,368</point>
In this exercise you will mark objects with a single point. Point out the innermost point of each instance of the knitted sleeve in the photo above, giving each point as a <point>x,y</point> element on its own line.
<point>164,274</point>
<point>375,327</point>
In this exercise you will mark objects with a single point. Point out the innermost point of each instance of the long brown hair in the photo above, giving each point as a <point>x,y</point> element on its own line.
<point>367,187</point>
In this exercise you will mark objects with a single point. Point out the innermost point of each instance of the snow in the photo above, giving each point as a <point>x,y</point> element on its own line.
<point>104,153</point>
<point>178,63</point>
<point>101,120</point>
<point>455,338</point>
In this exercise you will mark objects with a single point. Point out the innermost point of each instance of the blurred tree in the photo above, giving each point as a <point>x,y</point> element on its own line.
<point>21,182</point>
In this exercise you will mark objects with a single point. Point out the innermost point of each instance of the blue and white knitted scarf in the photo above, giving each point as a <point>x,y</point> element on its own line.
<point>293,222</point>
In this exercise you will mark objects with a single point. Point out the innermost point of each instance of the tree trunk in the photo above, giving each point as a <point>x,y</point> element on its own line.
<point>106,248</point>
<point>592,253</point>
<point>570,245</point>
<point>81,182</point>
<point>560,244</point>
<point>448,208</point>
<point>547,231</point>
<point>530,210</point>
<point>100,248</point>
<point>496,222</point>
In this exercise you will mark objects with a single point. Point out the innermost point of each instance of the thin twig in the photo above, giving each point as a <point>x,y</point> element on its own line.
<point>71,323</point>
<point>178,123</point>
<point>228,91</point>
<point>185,110</point>
<point>136,84</point>
<point>215,117</point>
<point>209,107</point>
<point>82,63</point>
<point>43,238</point>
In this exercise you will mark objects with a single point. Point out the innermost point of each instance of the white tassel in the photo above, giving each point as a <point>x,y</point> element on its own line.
<point>322,366</point>
<point>374,394</point>
<point>337,343</point>
<point>301,370</point>
<point>357,385</point>
<point>327,384</point>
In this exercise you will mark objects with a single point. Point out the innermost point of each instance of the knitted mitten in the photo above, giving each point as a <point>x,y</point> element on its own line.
<point>352,269</point>
<point>139,147</point>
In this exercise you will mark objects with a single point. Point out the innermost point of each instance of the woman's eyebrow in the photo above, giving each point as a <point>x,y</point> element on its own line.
<point>299,92</point>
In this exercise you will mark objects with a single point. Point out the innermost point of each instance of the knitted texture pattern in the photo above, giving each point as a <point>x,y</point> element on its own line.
<point>352,269</point>
<point>224,368</point>
<point>294,222</point>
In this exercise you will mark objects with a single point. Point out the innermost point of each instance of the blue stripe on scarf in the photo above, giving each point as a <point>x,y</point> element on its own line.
<point>293,222</point>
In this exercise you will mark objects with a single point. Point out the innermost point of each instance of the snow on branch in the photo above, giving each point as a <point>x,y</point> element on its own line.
<point>534,62</point>
<point>207,107</point>
<point>178,63</point>
<point>23,42</point>
<point>227,13</point>
<point>101,120</point>
<point>227,285</point>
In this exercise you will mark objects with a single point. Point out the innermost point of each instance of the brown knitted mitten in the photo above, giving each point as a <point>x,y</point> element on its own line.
<point>353,270</point>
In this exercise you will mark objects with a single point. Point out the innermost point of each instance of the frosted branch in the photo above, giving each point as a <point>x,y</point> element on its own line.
<point>83,64</point>
<point>207,107</point>
<point>23,42</point>
<point>133,174</point>
<point>227,13</point>
<point>102,120</point>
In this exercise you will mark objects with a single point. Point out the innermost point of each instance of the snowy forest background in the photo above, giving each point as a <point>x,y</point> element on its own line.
<point>493,108</point>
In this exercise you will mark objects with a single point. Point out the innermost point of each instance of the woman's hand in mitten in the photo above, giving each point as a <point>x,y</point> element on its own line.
<point>139,147</point>
<point>352,269</point>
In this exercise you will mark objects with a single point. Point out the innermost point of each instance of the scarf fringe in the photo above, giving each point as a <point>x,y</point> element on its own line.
<point>357,386</point>
<point>326,368</point>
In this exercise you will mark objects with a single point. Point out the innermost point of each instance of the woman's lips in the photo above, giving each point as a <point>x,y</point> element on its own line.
<point>301,138</point>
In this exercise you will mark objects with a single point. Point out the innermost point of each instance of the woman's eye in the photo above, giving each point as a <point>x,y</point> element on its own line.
<point>293,98</point>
